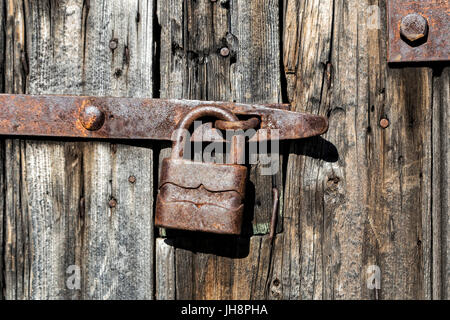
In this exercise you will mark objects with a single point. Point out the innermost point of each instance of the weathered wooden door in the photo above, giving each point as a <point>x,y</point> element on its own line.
<point>363,202</point>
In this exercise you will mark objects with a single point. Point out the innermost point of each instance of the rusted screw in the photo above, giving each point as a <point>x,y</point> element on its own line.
<point>224,52</point>
<point>131,179</point>
<point>384,123</point>
<point>113,44</point>
<point>414,27</point>
<point>112,203</point>
<point>92,118</point>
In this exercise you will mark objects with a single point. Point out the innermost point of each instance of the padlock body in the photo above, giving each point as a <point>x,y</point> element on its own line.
<point>200,196</point>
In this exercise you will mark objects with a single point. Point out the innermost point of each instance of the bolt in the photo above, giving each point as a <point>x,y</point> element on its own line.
<point>384,123</point>
<point>112,203</point>
<point>92,118</point>
<point>224,52</point>
<point>414,27</point>
<point>113,44</point>
<point>132,179</point>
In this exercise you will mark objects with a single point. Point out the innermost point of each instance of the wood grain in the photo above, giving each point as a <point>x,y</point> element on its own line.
<point>118,240</point>
<point>299,258</point>
<point>359,196</point>
<point>2,156</point>
<point>192,66</point>
<point>58,193</point>
<point>368,204</point>
<point>217,267</point>
<point>440,264</point>
<point>165,269</point>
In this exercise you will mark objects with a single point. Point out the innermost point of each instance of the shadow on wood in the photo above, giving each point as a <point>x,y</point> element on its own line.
<point>317,148</point>
<point>220,245</point>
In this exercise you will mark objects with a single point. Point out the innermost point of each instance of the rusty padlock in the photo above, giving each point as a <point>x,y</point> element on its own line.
<point>199,196</point>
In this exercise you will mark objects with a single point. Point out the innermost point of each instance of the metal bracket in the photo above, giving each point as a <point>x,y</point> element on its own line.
<point>418,30</point>
<point>140,118</point>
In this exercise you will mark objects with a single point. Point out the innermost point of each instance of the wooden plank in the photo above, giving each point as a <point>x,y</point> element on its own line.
<point>118,260</point>
<point>2,214</point>
<point>255,77</point>
<point>16,261</point>
<point>298,256</point>
<point>217,267</point>
<point>366,199</point>
<point>2,155</point>
<point>118,255</point>
<point>440,271</point>
<point>165,269</point>
<point>192,66</point>
<point>171,67</point>
<point>361,196</point>
<point>58,193</point>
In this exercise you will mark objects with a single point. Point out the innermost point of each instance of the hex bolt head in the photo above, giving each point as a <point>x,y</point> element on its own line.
<point>224,52</point>
<point>92,118</point>
<point>414,27</point>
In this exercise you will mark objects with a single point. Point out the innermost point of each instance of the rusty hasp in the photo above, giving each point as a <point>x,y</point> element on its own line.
<point>418,30</point>
<point>58,116</point>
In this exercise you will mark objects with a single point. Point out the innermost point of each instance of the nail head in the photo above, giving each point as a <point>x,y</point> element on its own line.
<point>112,203</point>
<point>384,123</point>
<point>113,44</point>
<point>92,118</point>
<point>224,52</point>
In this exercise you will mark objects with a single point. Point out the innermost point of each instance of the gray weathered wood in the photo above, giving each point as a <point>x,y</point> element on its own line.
<point>58,193</point>
<point>361,195</point>
<point>254,38</point>
<point>297,262</point>
<point>192,36</point>
<point>2,156</point>
<point>165,269</point>
<point>367,199</point>
<point>238,268</point>
<point>193,68</point>
<point>440,276</point>
<point>118,258</point>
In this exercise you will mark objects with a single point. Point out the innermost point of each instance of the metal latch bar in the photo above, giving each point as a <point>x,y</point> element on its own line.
<point>137,118</point>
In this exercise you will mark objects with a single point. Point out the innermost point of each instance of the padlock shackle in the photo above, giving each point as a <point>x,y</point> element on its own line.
<point>194,114</point>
